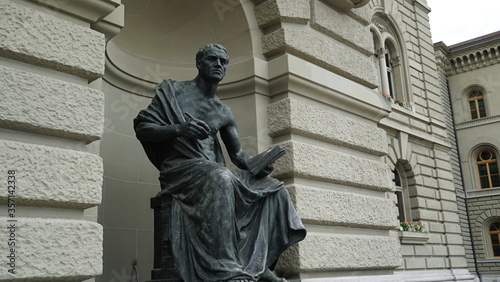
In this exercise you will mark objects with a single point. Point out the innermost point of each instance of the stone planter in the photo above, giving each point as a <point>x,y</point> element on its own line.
<point>414,238</point>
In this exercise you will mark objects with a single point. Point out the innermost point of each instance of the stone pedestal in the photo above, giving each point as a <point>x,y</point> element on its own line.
<point>163,266</point>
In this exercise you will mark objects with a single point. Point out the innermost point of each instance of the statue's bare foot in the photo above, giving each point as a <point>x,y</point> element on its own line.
<point>270,276</point>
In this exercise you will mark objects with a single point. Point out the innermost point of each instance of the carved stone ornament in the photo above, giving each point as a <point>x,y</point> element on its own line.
<point>346,5</point>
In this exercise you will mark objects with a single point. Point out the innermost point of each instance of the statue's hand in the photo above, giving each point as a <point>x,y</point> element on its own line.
<point>266,171</point>
<point>194,128</point>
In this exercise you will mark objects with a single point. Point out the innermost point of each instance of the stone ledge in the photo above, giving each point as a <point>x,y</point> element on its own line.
<point>50,249</point>
<point>51,177</point>
<point>36,38</point>
<point>48,106</point>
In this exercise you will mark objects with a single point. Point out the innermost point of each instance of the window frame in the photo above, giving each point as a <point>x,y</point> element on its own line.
<point>402,194</point>
<point>491,160</point>
<point>490,233</point>
<point>394,74</point>
<point>476,100</point>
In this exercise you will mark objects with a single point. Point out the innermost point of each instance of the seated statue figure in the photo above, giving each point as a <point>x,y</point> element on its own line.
<point>225,225</point>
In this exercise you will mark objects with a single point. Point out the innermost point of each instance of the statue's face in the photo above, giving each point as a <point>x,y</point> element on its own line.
<point>213,65</point>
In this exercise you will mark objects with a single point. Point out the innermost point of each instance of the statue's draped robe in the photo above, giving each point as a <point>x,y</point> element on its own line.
<point>225,225</point>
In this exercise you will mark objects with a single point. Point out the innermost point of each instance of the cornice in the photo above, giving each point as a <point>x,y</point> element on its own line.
<point>105,16</point>
<point>470,58</point>
<point>90,10</point>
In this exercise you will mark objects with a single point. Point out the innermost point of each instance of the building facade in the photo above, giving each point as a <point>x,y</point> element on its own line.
<point>349,88</point>
<point>469,75</point>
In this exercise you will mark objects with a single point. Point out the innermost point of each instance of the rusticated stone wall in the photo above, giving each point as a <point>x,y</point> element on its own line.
<point>320,34</point>
<point>343,143</point>
<point>49,114</point>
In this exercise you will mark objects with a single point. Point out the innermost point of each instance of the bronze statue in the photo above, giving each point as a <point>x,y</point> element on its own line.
<point>225,225</point>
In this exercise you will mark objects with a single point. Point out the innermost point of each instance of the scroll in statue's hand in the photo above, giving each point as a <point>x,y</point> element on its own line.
<point>194,128</point>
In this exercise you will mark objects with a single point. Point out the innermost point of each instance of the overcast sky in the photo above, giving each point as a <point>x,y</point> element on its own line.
<point>454,21</point>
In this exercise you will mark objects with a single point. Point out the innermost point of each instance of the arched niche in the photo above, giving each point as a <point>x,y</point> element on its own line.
<point>160,39</point>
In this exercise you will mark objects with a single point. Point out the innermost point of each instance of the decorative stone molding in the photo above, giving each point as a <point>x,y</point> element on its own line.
<point>105,16</point>
<point>441,52</point>
<point>458,60</point>
<point>483,193</point>
<point>91,10</point>
<point>347,5</point>
<point>112,23</point>
<point>477,122</point>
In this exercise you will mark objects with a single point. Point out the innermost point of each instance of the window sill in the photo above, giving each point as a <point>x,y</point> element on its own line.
<point>413,238</point>
<point>487,192</point>
<point>494,259</point>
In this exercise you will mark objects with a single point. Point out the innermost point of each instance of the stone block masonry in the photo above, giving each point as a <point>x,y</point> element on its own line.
<point>48,115</point>
<point>34,37</point>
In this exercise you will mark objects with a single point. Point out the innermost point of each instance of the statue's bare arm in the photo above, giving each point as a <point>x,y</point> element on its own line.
<point>192,128</point>
<point>229,135</point>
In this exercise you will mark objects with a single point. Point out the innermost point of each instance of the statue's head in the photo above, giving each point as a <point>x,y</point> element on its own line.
<point>211,62</point>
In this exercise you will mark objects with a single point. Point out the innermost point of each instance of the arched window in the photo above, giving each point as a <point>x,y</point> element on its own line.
<point>389,60</point>
<point>487,166</point>
<point>402,196</point>
<point>494,237</point>
<point>476,104</point>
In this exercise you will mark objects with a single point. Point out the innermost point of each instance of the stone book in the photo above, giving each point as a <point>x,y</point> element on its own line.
<point>258,163</point>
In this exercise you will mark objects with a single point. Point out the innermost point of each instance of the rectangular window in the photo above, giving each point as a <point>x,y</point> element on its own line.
<point>495,244</point>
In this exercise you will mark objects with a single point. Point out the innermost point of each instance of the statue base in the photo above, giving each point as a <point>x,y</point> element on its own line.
<point>164,266</point>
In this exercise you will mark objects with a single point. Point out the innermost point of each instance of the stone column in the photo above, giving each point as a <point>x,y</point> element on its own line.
<point>51,110</point>
<point>383,70</point>
<point>324,111</point>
